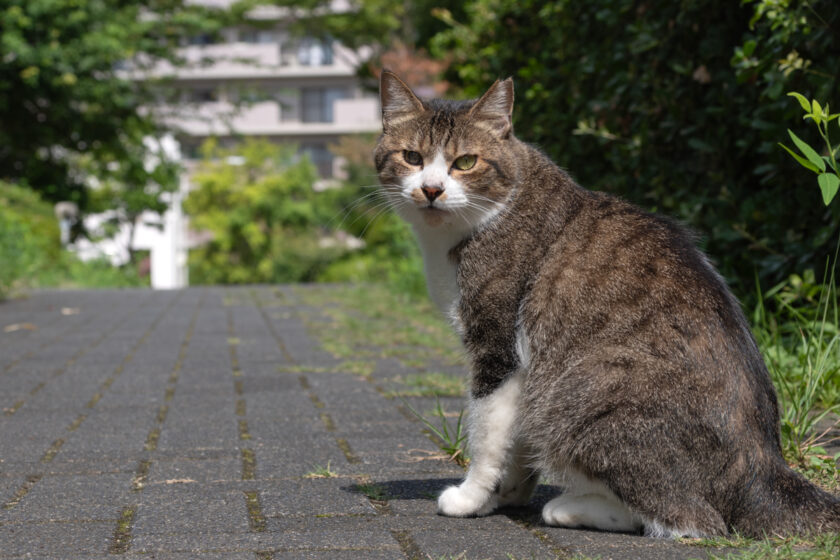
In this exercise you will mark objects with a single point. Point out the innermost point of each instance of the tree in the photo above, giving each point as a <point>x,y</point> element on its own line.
<point>70,110</point>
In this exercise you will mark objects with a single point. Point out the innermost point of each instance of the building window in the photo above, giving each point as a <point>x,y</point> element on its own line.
<point>202,39</point>
<point>314,52</point>
<point>259,36</point>
<point>321,157</point>
<point>204,95</point>
<point>318,103</point>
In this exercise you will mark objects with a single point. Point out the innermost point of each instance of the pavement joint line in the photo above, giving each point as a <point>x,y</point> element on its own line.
<point>70,361</point>
<point>163,411</point>
<point>152,439</point>
<point>407,544</point>
<point>244,434</point>
<point>24,489</point>
<point>328,422</point>
<point>138,481</point>
<point>264,555</point>
<point>249,464</point>
<point>122,533</point>
<point>256,519</point>
<point>77,422</point>
<point>280,344</point>
<point>50,454</point>
<point>14,408</point>
<point>249,458</point>
<point>348,451</point>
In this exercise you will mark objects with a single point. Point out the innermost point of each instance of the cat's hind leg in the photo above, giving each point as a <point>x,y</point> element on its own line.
<point>519,479</point>
<point>589,503</point>
<point>492,434</point>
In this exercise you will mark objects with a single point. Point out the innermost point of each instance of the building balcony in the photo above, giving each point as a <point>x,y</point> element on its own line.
<point>241,60</point>
<point>267,118</point>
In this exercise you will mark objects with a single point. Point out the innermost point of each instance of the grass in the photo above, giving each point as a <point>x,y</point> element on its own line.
<point>801,346</point>
<point>372,491</point>
<point>321,472</point>
<point>369,322</point>
<point>824,546</point>
<point>452,440</point>
<point>434,384</point>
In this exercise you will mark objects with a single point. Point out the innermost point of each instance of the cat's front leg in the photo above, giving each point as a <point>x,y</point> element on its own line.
<point>492,434</point>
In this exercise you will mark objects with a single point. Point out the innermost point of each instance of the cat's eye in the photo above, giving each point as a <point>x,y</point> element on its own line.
<point>412,158</point>
<point>465,162</point>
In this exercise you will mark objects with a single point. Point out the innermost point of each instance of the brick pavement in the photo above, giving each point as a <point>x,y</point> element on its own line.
<point>182,424</point>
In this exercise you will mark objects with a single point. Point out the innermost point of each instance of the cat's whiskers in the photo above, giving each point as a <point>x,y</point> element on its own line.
<point>384,209</point>
<point>381,192</point>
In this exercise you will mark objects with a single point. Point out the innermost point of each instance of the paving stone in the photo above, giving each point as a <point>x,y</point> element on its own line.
<point>185,508</point>
<point>38,540</point>
<point>308,453</point>
<point>72,498</point>
<point>315,497</point>
<point>196,470</point>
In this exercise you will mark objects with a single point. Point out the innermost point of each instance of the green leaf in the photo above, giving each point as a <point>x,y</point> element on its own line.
<point>809,152</point>
<point>829,183</point>
<point>802,161</point>
<point>802,101</point>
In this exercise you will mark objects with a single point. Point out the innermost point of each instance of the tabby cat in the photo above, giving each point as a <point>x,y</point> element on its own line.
<point>605,349</point>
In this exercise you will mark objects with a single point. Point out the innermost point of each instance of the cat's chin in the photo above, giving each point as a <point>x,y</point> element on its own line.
<point>434,217</point>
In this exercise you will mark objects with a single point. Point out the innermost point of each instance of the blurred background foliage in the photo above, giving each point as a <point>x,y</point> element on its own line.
<point>31,254</point>
<point>265,222</point>
<point>677,106</point>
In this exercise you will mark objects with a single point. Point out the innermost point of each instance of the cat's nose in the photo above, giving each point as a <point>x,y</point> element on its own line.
<point>431,192</point>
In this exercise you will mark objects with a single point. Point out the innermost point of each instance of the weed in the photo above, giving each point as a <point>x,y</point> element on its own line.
<point>452,440</point>
<point>373,491</point>
<point>803,356</point>
<point>321,472</point>
<point>824,546</point>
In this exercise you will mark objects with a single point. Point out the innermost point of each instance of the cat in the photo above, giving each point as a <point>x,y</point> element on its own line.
<point>604,348</point>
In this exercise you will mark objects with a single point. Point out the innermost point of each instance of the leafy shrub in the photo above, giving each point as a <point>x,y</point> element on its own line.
<point>257,202</point>
<point>268,224</point>
<point>29,237</point>
<point>678,106</point>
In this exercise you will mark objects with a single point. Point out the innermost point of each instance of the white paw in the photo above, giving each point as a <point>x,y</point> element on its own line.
<point>592,510</point>
<point>466,501</point>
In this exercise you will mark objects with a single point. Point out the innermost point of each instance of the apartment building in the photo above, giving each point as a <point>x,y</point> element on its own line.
<point>257,79</point>
<point>261,80</point>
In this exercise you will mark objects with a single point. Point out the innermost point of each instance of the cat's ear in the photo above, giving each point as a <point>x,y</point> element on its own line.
<point>493,111</point>
<point>398,101</point>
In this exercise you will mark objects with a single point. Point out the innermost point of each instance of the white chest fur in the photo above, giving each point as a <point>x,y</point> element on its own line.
<point>441,280</point>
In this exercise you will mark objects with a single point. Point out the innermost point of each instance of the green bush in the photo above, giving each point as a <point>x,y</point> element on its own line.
<point>29,237</point>
<point>678,106</point>
<point>257,203</point>
<point>31,255</point>
<point>268,224</point>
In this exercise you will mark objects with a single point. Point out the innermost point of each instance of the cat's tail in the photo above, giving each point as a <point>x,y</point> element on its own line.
<point>785,503</point>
